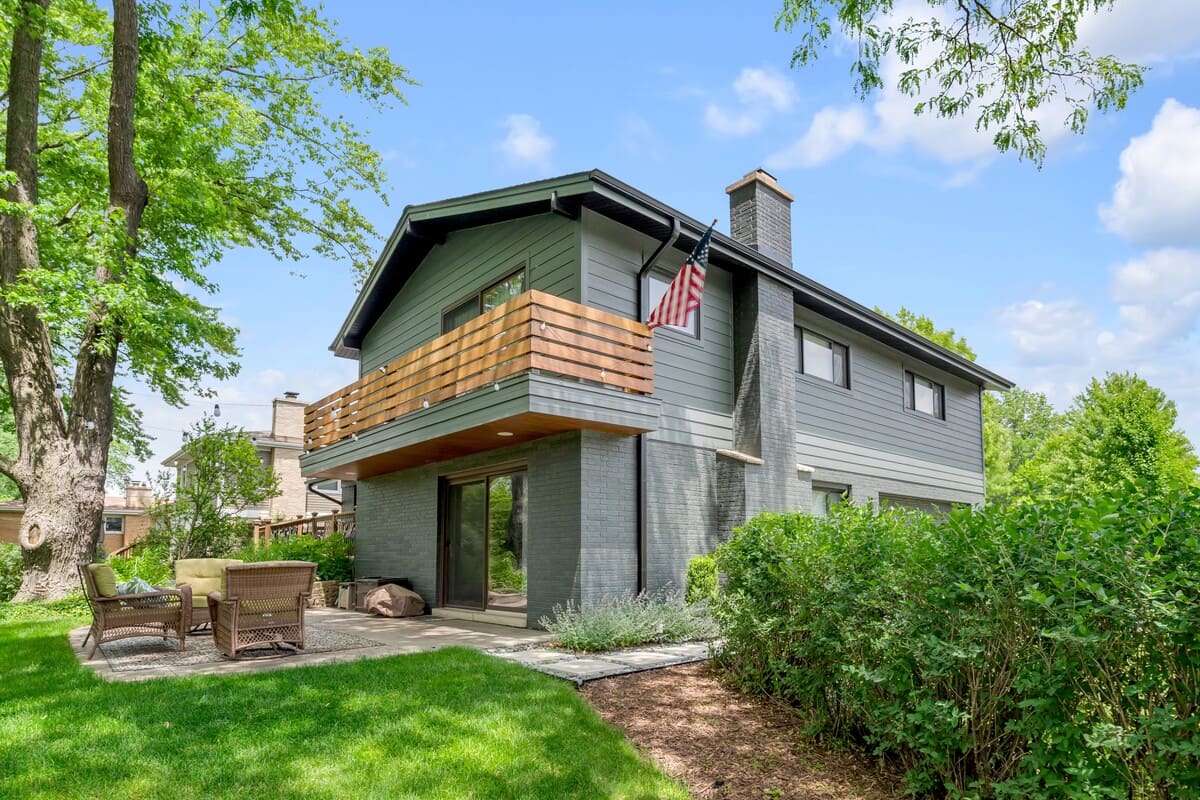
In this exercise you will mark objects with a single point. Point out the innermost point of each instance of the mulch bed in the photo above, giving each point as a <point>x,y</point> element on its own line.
<point>723,744</point>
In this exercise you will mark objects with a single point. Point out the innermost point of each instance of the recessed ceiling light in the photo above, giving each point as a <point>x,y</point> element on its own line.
<point>504,433</point>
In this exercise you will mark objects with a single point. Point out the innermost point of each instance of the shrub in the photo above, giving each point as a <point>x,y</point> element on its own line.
<point>149,561</point>
<point>12,566</point>
<point>630,621</point>
<point>701,579</point>
<point>333,554</point>
<point>1043,652</point>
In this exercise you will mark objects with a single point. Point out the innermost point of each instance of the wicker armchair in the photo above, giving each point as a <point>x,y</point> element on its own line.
<point>263,604</point>
<point>166,613</point>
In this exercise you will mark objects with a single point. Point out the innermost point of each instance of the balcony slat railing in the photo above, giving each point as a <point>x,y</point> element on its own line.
<point>533,331</point>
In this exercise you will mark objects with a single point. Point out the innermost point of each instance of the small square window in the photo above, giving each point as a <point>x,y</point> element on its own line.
<point>824,358</point>
<point>656,287</point>
<point>114,524</point>
<point>923,395</point>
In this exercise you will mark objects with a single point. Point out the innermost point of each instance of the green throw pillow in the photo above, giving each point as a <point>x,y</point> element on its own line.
<point>105,579</point>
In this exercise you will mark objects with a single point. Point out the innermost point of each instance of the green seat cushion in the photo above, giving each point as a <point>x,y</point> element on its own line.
<point>204,575</point>
<point>104,578</point>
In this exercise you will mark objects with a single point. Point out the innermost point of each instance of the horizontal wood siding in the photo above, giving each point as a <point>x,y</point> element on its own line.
<point>693,379</point>
<point>468,261</point>
<point>871,413</point>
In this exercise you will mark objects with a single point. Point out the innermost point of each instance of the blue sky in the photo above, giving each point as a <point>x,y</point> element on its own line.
<point>1090,264</point>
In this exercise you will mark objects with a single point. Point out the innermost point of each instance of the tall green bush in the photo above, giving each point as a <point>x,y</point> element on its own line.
<point>333,554</point>
<point>1045,652</point>
<point>702,579</point>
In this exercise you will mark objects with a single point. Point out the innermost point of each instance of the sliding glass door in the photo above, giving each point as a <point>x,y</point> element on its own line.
<point>483,541</point>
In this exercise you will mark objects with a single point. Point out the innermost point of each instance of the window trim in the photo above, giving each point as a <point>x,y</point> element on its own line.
<point>478,294</point>
<point>799,339</point>
<point>908,394</point>
<point>660,275</point>
<point>120,517</point>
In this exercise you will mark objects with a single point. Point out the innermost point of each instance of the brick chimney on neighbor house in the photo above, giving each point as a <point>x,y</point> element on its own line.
<point>287,417</point>
<point>137,494</point>
<point>760,215</point>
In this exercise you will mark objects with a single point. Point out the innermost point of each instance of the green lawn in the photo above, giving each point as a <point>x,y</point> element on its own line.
<point>450,724</point>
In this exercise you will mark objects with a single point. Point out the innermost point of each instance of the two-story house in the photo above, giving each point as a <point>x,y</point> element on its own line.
<point>280,449</point>
<point>521,439</point>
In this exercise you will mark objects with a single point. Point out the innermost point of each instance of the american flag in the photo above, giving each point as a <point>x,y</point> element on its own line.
<point>683,295</point>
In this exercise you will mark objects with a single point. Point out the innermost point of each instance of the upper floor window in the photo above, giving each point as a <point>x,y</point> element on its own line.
<point>824,358</point>
<point>484,300</point>
<point>114,524</point>
<point>924,395</point>
<point>333,485</point>
<point>655,288</point>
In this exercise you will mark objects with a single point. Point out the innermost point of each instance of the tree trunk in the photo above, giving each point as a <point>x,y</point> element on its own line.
<point>61,524</point>
<point>62,462</point>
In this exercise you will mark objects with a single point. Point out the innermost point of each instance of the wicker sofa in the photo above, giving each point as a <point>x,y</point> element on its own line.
<point>164,613</point>
<point>262,605</point>
<point>203,575</point>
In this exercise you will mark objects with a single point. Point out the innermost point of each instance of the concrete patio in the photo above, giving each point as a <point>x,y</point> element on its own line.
<point>351,636</point>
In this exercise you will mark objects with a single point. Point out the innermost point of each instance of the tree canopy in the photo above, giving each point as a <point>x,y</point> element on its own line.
<point>198,512</point>
<point>1005,62</point>
<point>142,141</point>
<point>1118,429</point>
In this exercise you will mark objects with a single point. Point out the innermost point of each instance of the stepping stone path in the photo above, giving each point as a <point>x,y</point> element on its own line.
<point>583,667</point>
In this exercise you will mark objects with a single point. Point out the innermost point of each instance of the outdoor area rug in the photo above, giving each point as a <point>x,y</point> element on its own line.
<point>130,655</point>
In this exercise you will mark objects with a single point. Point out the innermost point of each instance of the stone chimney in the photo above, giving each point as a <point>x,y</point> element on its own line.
<point>137,494</point>
<point>287,417</point>
<point>760,215</point>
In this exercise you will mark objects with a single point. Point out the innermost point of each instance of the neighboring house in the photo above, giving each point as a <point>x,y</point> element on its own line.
<point>125,518</point>
<point>520,440</point>
<point>280,448</point>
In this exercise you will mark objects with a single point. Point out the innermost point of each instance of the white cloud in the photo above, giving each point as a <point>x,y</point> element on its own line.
<point>1055,332</point>
<point>760,94</point>
<point>525,144</point>
<point>760,85</point>
<point>833,131</point>
<point>1157,199</point>
<point>1158,297</point>
<point>1144,31</point>
<point>731,125</point>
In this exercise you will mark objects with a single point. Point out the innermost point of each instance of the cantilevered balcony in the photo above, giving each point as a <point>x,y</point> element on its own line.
<point>535,366</point>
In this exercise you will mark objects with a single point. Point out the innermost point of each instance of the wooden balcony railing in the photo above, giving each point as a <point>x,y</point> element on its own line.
<point>533,331</point>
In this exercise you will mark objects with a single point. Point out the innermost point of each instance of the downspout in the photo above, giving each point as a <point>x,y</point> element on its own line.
<point>640,440</point>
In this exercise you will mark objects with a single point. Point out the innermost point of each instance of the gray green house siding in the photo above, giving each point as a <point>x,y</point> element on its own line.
<point>468,261</point>
<point>864,437</point>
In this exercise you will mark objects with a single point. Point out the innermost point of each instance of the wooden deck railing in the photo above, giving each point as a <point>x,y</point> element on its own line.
<point>317,526</point>
<point>533,331</point>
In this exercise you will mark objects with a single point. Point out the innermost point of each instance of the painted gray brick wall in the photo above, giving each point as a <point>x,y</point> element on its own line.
<point>682,514</point>
<point>608,530</point>
<point>762,219</point>
<point>397,528</point>
<point>764,418</point>
<point>552,552</point>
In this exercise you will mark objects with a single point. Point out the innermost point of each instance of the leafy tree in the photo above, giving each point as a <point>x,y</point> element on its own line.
<point>1119,429</point>
<point>923,325</point>
<point>198,513</point>
<point>138,147</point>
<point>1001,61</point>
<point>1028,416</point>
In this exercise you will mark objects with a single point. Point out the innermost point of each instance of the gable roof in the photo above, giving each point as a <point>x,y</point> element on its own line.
<point>421,227</point>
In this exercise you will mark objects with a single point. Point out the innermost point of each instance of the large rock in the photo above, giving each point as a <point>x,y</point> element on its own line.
<point>394,601</point>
